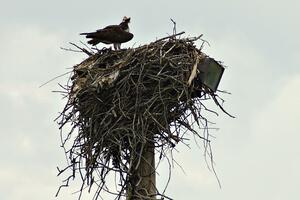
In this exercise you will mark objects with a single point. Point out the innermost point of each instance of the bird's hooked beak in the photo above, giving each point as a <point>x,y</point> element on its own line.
<point>126,19</point>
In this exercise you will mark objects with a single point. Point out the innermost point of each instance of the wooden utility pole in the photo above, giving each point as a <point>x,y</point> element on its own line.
<point>143,180</point>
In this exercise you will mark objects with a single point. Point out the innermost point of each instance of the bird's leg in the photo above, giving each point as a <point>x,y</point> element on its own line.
<point>115,46</point>
<point>119,46</point>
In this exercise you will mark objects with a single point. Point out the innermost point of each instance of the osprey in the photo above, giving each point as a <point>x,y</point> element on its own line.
<point>113,34</point>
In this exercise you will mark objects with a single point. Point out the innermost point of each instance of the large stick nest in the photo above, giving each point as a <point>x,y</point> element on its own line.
<point>120,100</point>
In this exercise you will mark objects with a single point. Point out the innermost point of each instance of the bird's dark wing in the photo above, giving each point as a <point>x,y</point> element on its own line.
<point>108,35</point>
<point>110,27</point>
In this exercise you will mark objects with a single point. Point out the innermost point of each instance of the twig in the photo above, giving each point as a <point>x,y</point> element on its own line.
<point>194,72</point>
<point>171,36</point>
<point>203,42</point>
<point>82,49</point>
<point>221,107</point>
<point>55,78</point>
<point>86,46</point>
<point>174,26</point>
<point>72,50</point>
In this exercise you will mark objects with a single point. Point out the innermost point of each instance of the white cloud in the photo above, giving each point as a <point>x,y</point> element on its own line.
<point>267,166</point>
<point>30,53</point>
<point>279,121</point>
<point>28,56</point>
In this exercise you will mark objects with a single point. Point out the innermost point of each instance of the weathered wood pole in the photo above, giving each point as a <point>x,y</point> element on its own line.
<point>144,179</point>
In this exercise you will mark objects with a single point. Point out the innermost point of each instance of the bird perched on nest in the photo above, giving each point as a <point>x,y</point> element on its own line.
<point>113,34</point>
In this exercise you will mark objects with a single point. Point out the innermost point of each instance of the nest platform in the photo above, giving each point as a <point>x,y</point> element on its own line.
<point>120,101</point>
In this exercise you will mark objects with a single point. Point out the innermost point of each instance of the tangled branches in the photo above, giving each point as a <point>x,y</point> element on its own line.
<point>122,102</point>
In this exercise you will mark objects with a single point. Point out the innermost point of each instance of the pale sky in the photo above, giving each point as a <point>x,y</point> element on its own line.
<point>257,155</point>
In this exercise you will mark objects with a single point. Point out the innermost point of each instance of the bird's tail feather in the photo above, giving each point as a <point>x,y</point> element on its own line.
<point>89,35</point>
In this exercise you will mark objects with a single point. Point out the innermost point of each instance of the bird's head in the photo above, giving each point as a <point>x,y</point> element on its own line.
<point>126,19</point>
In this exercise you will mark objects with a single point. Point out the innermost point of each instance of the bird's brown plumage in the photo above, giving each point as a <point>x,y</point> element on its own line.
<point>113,34</point>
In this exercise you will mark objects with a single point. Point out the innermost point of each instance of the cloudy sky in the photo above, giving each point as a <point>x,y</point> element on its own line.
<point>257,155</point>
